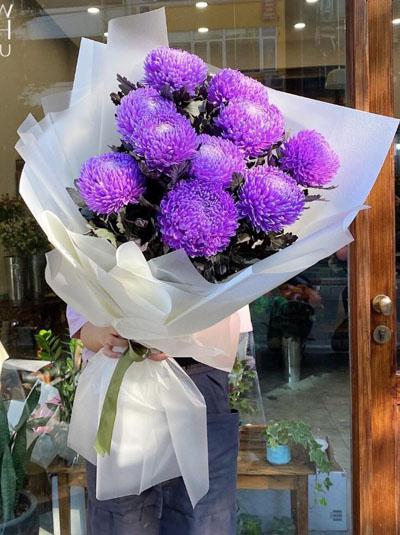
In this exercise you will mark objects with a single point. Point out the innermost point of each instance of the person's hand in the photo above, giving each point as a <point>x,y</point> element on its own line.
<point>110,339</point>
<point>157,356</point>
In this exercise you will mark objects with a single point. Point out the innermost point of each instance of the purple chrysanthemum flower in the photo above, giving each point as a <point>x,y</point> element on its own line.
<point>229,84</point>
<point>137,104</point>
<point>198,218</point>
<point>309,159</point>
<point>216,161</point>
<point>109,182</point>
<point>164,140</point>
<point>177,69</point>
<point>270,199</point>
<point>252,127</point>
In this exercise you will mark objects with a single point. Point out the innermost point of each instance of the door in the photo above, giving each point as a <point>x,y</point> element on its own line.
<point>299,46</point>
<point>371,38</point>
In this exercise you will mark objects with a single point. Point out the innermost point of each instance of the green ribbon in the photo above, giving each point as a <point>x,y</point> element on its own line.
<point>134,353</point>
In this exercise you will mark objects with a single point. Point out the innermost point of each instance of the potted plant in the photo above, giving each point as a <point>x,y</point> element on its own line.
<point>248,525</point>
<point>241,383</point>
<point>291,320</point>
<point>18,511</point>
<point>24,244</point>
<point>63,374</point>
<point>282,526</point>
<point>283,435</point>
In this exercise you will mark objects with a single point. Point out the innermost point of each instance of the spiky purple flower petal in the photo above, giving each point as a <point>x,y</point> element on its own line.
<point>270,199</point>
<point>252,127</point>
<point>198,218</point>
<point>308,157</point>
<point>177,69</point>
<point>229,83</point>
<point>109,182</point>
<point>216,161</point>
<point>164,140</point>
<point>135,105</point>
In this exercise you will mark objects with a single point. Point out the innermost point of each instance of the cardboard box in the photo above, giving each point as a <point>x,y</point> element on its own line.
<point>332,517</point>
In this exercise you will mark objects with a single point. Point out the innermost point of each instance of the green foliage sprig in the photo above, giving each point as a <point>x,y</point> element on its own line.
<point>248,525</point>
<point>63,370</point>
<point>283,526</point>
<point>241,382</point>
<point>291,433</point>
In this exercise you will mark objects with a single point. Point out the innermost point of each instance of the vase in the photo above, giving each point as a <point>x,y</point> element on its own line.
<point>279,454</point>
<point>28,522</point>
<point>37,266</point>
<point>17,278</point>
<point>291,349</point>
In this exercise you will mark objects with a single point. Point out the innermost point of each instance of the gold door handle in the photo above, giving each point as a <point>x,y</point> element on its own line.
<point>382,304</point>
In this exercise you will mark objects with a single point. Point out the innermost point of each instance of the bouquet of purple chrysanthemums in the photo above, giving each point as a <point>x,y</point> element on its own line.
<point>204,165</point>
<point>166,230</point>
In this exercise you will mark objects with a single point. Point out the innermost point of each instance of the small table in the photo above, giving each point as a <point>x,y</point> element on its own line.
<point>254,472</point>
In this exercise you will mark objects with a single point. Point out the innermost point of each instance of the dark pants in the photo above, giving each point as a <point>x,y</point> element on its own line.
<point>166,509</point>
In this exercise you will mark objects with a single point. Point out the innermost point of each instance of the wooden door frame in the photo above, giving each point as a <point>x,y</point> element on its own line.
<point>372,272</point>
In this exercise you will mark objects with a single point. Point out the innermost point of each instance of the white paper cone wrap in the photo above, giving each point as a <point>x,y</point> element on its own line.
<point>165,303</point>
<point>156,434</point>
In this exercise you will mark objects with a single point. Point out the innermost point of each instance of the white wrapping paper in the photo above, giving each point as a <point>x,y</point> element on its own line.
<point>165,303</point>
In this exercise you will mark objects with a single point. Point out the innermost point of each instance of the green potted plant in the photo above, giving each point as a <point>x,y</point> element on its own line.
<point>282,526</point>
<point>63,374</point>
<point>63,370</point>
<point>18,508</point>
<point>291,320</point>
<point>248,525</point>
<point>281,436</point>
<point>24,245</point>
<point>241,383</point>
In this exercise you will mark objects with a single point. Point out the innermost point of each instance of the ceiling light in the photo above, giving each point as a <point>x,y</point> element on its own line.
<point>93,10</point>
<point>201,5</point>
<point>396,21</point>
<point>398,146</point>
<point>105,34</point>
<point>299,25</point>
<point>202,30</point>
<point>311,1</point>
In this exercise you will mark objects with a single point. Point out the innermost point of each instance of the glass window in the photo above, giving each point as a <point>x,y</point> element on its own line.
<point>295,364</point>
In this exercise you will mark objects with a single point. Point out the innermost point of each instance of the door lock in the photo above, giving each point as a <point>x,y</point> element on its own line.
<point>382,304</point>
<point>382,334</point>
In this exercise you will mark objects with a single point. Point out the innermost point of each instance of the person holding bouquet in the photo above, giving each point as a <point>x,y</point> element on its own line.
<point>207,198</point>
<point>166,509</point>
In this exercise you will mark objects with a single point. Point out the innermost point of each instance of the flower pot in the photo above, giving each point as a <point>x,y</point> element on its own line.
<point>17,278</point>
<point>291,349</point>
<point>37,266</point>
<point>28,522</point>
<point>279,454</point>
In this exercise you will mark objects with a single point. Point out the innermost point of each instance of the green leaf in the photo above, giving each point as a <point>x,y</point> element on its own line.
<point>106,234</point>
<point>4,432</point>
<point>30,404</point>
<point>19,456</point>
<point>8,485</point>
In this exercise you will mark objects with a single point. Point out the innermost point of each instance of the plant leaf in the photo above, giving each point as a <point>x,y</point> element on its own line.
<point>76,197</point>
<point>106,235</point>
<point>19,457</point>
<point>8,485</point>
